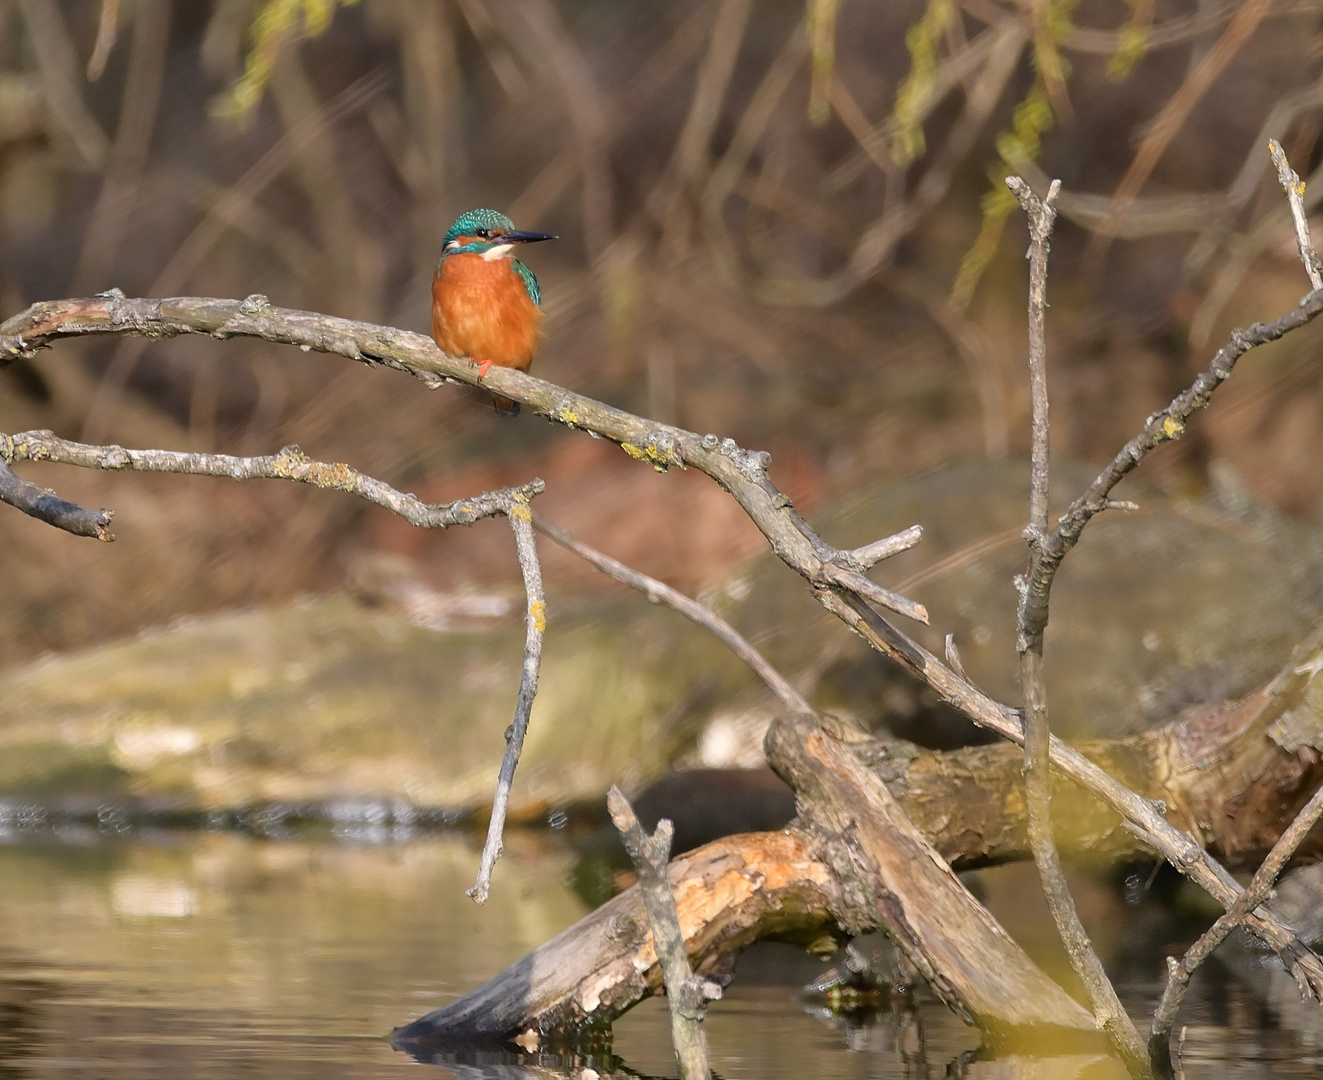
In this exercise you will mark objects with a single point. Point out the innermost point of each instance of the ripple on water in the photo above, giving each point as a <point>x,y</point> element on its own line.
<point>212,954</point>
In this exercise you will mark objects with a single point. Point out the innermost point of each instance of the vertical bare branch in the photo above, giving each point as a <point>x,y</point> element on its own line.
<point>1295,197</point>
<point>687,995</point>
<point>1042,216</point>
<point>520,516</point>
<point>1107,1007</point>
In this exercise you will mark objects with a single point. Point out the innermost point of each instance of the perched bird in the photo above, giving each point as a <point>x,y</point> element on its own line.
<point>485,302</point>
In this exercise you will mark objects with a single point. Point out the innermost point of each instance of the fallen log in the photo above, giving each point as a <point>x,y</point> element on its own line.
<point>728,894</point>
<point>1233,774</point>
<point>893,879</point>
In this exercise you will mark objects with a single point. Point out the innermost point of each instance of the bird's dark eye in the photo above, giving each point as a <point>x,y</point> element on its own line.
<point>482,234</point>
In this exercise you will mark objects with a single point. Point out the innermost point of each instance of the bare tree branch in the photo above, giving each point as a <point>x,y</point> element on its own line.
<point>1165,425</point>
<point>741,472</point>
<point>1295,197</point>
<point>520,516</point>
<point>687,995</point>
<point>291,463</point>
<point>660,592</point>
<point>1256,892</point>
<point>1107,1007</point>
<point>48,507</point>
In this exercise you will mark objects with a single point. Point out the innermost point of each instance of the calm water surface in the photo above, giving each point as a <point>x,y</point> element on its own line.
<point>219,955</point>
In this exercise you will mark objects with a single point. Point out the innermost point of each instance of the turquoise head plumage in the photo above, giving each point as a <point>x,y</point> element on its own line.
<point>492,235</point>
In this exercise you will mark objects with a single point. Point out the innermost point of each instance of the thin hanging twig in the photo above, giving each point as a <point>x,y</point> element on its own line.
<point>291,463</point>
<point>520,516</point>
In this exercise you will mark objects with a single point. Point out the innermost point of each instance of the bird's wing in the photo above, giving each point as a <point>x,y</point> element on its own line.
<point>530,281</point>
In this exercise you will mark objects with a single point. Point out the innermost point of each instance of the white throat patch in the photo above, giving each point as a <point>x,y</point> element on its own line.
<point>500,251</point>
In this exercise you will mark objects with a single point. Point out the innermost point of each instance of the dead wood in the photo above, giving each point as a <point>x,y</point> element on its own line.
<point>1233,773</point>
<point>728,894</point>
<point>886,866</point>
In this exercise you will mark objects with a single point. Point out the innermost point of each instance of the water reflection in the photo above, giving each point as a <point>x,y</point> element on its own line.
<point>124,954</point>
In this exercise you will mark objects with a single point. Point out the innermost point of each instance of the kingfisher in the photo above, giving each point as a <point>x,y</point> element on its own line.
<point>486,304</point>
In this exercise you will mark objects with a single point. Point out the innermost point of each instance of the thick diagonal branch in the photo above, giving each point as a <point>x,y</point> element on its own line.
<point>741,472</point>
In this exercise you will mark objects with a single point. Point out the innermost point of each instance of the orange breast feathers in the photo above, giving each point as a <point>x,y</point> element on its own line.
<point>480,309</point>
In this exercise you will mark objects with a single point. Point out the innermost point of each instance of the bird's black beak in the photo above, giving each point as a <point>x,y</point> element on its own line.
<point>515,236</point>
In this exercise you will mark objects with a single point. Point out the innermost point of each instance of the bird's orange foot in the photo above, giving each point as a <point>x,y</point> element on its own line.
<point>483,367</point>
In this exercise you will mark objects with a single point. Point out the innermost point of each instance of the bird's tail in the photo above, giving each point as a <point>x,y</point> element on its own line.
<point>505,406</point>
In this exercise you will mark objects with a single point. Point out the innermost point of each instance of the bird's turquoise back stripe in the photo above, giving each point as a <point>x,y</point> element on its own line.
<point>530,282</point>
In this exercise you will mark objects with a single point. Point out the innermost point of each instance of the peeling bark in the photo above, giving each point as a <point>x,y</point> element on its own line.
<point>728,894</point>
<point>1236,770</point>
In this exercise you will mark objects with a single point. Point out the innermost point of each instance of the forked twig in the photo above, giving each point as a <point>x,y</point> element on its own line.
<point>1107,1007</point>
<point>1256,892</point>
<point>291,463</point>
<point>1049,548</point>
<point>687,994</point>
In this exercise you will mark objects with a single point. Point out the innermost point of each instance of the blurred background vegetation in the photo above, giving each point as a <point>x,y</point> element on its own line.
<point>780,222</point>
